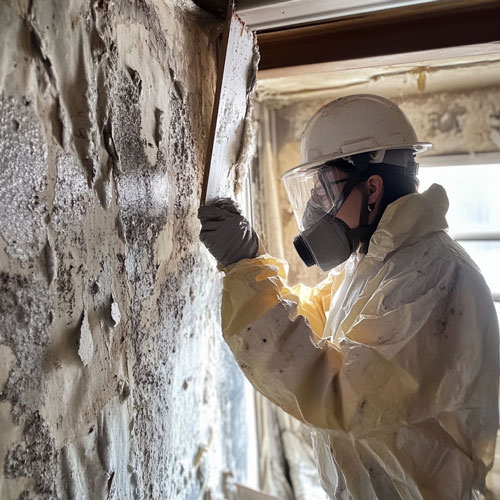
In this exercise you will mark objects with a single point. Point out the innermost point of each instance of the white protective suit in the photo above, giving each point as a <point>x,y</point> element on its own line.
<point>392,360</point>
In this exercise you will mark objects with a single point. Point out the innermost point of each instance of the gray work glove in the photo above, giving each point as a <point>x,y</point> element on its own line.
<point>226,233</point>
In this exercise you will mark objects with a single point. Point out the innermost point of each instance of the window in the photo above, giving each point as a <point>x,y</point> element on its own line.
<point>474,214</point>
<point>244,198</point>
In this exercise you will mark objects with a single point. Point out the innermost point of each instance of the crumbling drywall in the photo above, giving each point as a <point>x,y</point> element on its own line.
<point>455,122</point>
<point>114,382</point>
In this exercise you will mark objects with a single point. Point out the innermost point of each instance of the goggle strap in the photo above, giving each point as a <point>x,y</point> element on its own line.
<point>361,163</point>
<point>349,186</point>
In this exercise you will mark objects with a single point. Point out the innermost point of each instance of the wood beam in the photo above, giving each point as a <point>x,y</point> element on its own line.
<point>445,24</point>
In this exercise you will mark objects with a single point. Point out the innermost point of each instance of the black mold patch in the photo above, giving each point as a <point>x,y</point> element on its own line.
<point>94,115</point>
<point>72,200</point>
<point>140,220</point>
<point>35,458</point>
<point>24,317</point>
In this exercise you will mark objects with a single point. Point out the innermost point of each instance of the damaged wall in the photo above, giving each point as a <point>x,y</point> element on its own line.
<point>114,380</point>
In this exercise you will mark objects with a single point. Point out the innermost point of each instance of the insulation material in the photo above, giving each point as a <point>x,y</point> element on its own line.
<point>115,382</point>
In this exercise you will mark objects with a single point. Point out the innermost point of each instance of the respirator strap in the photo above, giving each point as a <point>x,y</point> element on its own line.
<point>360,163</point>
<point>364,232</point>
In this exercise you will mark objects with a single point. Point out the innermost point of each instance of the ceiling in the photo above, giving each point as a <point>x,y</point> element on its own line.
<point>398,75</point>
<point>272,14</point>
<point>316,47</point>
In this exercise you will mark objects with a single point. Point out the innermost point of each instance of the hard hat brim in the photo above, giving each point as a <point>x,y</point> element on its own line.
<point>417,147</point>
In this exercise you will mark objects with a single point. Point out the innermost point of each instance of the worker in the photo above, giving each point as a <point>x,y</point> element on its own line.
<point>393,359</point>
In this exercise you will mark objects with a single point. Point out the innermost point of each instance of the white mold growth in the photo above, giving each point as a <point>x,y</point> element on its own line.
<point>232,130</point>
<point>249,141</point>
<point>22,178</point>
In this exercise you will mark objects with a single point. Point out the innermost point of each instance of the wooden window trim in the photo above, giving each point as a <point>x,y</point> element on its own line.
<point>440,25</point>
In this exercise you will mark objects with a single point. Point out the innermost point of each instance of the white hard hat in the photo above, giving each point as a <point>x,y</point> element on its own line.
<point>357,124</point>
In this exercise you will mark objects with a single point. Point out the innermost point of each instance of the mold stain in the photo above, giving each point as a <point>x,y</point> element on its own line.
<point>107,305</point>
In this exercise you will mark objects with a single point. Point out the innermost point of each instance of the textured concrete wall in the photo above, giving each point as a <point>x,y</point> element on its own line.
<point>114,382</point>
<point>454,122</point>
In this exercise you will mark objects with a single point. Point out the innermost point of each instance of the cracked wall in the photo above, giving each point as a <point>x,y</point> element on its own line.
<point>114,381</point>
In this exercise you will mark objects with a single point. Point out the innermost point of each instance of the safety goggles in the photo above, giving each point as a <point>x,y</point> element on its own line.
<point>314,192</point>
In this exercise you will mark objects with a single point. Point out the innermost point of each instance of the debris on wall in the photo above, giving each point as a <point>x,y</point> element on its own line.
<point>454,122</point>
<point>113,374</point>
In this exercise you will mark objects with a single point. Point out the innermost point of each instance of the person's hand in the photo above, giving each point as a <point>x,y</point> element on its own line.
<point>226,233</point>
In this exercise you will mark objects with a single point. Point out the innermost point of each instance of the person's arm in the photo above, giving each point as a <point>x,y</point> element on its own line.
<point>275,334</point>
<point>257,281</point>
<point>409,351</point>
<point>410,348</point>
<point>254,286</point>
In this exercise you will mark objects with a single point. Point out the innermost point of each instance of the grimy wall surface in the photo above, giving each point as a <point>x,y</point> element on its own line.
<point>114,382</point>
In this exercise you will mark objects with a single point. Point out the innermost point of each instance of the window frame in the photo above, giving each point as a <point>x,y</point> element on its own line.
<point>455,160</point>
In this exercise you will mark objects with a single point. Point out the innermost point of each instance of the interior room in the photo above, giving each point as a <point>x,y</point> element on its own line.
<point>118,120</point>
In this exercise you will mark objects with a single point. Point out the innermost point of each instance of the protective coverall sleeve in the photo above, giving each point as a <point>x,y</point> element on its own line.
<point>407,352</point>
<point>274,331</point>
<point>254,286</point>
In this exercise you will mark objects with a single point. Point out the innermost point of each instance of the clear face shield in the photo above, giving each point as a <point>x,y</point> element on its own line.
<point>314,192</point>
<point>317,193</point>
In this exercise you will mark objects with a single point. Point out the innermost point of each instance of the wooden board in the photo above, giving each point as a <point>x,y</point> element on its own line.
<point>235,80</point>
<point>437,25</point>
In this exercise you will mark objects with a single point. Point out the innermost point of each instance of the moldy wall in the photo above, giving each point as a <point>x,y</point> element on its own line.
<point>114,382</point>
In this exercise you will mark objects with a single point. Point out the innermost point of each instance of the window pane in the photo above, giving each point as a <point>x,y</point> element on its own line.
<point>473,194</point>
<point>486,254</point>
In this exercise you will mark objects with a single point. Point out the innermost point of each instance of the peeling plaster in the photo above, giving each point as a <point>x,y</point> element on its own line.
<point>115,375</point>
<point>85,344</point>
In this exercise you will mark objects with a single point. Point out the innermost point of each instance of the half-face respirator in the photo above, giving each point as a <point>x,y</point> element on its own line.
<point>316,195</point>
